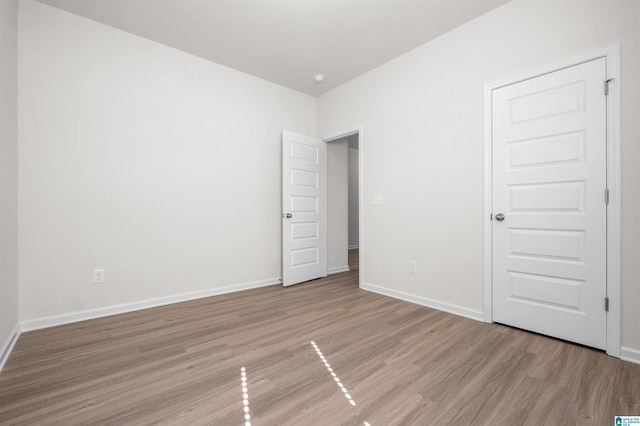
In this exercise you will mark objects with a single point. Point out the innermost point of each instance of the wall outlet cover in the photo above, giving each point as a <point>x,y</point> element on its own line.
<point>98,276</point>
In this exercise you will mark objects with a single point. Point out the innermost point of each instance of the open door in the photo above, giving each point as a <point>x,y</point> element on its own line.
<point>303,208</point>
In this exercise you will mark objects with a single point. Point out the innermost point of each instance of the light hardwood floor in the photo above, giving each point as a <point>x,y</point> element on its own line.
<point>400,363</point>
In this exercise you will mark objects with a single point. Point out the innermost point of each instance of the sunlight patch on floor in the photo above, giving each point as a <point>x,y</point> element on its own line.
<point>333,374</point>
<point>245,397</point>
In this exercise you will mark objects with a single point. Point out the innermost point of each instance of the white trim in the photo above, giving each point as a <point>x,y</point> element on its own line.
<point>342,134</point>
<point>487,115</point>
<point>359,130</point>
<point>8,346</point>
<point>614,208</point>
<point>324,251</point>
<point>361,236</point>
<point>612,55</point>
<point>630,355</point>
<point>52,321</point>
<point>423,301</point>
<point>338,269</point>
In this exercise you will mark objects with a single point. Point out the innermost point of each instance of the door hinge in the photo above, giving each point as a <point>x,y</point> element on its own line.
<point>606,304</point>
<point>606,85</point>
<point>606,196</point>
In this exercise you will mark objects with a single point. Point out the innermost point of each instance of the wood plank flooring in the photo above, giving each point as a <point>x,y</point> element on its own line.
<point>401,364</point>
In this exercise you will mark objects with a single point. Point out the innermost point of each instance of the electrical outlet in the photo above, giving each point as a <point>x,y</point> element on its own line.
<point>413,267</point>
<point>276,256</point>
<point>98,276</point>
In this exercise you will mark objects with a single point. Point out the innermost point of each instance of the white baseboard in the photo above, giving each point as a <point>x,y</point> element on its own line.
<point>7,347</point>
<point>631,355</point>
<point>430,303</point>
<point>52,321</point>
<point>353,247</point>
<point>338,269</point>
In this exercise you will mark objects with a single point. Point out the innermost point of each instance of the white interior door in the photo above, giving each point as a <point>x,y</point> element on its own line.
<point>549,182</point>
<point>303,208</point>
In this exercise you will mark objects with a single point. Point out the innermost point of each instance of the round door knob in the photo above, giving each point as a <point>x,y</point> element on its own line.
<point>499,217</point>
<point>288,215</point>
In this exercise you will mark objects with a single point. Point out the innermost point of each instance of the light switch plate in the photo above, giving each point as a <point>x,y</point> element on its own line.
<point>377,199</point>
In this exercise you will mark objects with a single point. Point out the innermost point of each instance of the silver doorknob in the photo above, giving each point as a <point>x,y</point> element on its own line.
<point>499,217</point>
<point>288,215</point>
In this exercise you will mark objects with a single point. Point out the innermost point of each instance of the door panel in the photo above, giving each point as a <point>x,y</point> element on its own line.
<point>549,179</point>
<point>303,245</point>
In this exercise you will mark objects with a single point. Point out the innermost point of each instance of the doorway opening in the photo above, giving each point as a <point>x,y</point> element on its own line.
<point>350,233</point>
<point>306,182</point>
<point>342,204</point>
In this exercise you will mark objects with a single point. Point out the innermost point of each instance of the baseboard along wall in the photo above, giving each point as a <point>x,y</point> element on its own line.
<point>429,303</point>
<point>52,321</point>
<point>7,347</point>
<point>627,354</point>
<point>338,269</point>
<point>631,355</point>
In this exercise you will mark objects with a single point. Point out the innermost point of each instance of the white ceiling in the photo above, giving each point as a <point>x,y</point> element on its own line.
<point>287,41</point>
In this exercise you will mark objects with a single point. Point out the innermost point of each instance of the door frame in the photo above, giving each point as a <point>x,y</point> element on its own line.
<point>332,137</point>
<point>612,55</point>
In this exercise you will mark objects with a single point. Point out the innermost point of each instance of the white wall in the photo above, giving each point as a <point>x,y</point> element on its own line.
<point>126,149</point>
<point>337,205</point>
<point>422,116</point>
<point>161,167</point>
<point>354,220</point>
<point>8,170</point>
